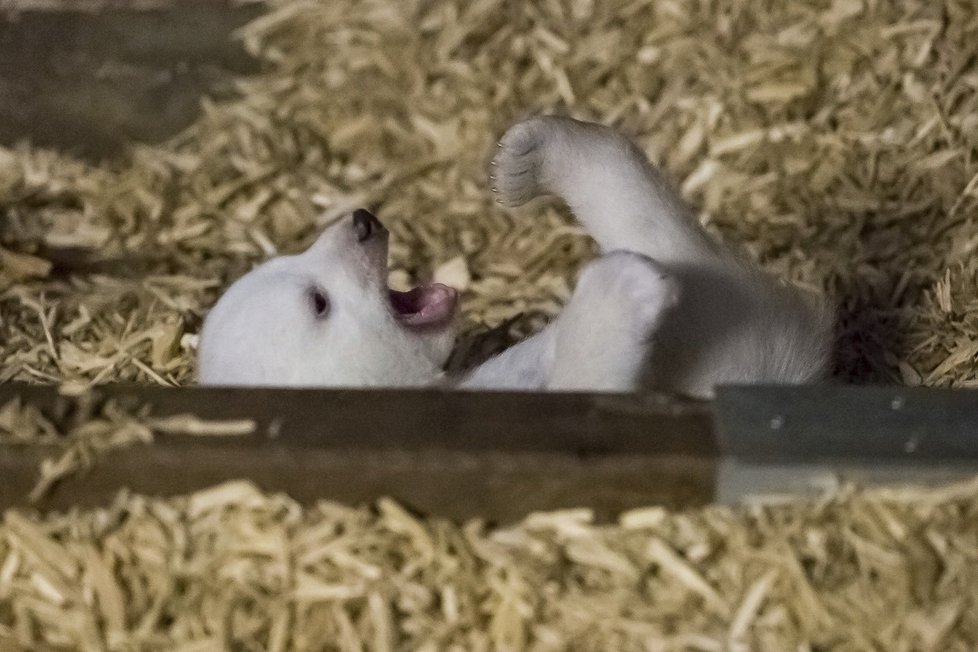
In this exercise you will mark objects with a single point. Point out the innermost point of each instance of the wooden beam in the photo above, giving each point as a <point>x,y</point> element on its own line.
<point>457,454</point>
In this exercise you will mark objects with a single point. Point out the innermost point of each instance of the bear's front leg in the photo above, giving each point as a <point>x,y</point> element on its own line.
<point>603,336</point>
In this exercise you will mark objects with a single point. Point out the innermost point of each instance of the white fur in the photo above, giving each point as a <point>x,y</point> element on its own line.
<point>665,306</point>
<point>262,331</point>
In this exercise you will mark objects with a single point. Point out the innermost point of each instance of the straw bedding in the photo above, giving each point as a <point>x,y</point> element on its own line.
<point>835,141</point>
<point>231,568</point>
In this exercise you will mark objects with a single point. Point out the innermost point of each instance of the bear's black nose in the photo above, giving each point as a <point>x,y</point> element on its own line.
<point>366,224</point>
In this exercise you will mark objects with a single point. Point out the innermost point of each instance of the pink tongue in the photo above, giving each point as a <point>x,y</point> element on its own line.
<point>426,305</point>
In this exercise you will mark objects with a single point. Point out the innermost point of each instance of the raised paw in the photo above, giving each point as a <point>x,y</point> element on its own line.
<point>515,174</point>
<point>553,155</point>
<point>528,162</point>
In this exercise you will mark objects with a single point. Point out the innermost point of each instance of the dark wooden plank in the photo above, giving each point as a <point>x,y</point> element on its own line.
<point>455,454</point>
<point>412,420</point>
<point>837,422</point>
<point>501,487</point>
<point>90,82</point>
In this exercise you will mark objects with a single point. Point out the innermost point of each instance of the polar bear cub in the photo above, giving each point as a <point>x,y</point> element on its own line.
<point>665,306</point>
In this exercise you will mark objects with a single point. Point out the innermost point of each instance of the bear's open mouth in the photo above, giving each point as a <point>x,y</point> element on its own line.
<point>425,306</point>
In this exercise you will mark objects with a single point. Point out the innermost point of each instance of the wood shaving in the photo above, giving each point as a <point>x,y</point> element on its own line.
<point>233,568</point>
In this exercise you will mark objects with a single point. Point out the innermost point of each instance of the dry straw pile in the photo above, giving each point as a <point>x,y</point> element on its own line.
<point>232,569</point>
<point>836,141</point>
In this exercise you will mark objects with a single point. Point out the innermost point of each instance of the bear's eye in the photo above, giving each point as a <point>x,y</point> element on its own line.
<point>319,303</point>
